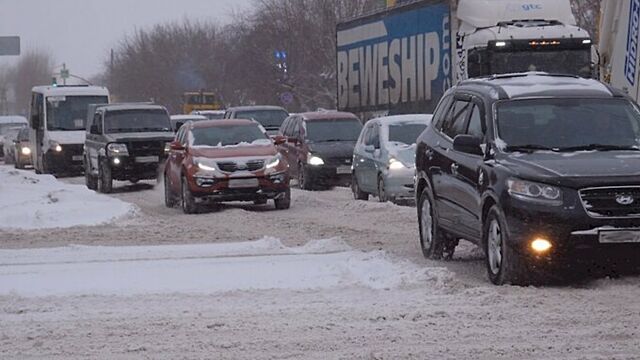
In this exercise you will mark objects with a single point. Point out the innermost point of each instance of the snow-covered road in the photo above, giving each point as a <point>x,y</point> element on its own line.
<point>366,292</point>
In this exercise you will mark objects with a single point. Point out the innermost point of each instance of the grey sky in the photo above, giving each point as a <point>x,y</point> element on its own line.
<point>81,32</point>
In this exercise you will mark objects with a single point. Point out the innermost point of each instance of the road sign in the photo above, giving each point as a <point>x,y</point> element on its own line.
<point>64,73</point>
<point>9,45</point>
<point>286,98</point>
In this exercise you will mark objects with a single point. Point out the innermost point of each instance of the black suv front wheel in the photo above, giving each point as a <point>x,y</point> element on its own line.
<point>432,239</point>
<point>504,264</point>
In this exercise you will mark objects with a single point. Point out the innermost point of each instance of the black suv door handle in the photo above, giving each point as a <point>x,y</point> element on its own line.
<point>454,168</point>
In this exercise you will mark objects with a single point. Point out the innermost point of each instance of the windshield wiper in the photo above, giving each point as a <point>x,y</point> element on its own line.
<point>599,147</point>
<point>529,148</point>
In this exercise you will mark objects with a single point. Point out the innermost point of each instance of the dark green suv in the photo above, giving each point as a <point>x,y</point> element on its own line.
<point>126,142</point>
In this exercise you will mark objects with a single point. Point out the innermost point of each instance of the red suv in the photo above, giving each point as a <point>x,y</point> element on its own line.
<point>225,160</point>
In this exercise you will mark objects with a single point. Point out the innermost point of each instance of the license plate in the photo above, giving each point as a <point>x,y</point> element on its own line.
<point>343,170</point>
<point>619,236</point>
<point>147,159</point>
<point>243,183</point>
<point>76,158</point>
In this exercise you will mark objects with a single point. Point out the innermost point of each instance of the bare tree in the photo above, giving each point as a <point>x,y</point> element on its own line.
<point>587,13</point>
<point>34,68</point>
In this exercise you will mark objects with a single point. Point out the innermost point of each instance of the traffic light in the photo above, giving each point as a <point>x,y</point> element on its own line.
<point>54,81</point>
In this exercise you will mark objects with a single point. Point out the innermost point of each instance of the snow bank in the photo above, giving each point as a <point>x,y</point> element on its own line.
<point>200,269</point>
<point>29,201</point>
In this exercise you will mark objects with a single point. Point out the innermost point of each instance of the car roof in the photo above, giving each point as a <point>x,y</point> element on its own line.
<point>325,115</point>
<point>188,117</point>
<point>401,119</point>
<point>198,112</point>
<point>71,90</point>
<point>256,107</point>
<point>13,120</point>
<point>131,106</point>
<point>223,122</point>
<point>538,84</point>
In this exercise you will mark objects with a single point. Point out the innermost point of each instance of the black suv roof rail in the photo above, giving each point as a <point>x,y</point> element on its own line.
<point>516,75</point>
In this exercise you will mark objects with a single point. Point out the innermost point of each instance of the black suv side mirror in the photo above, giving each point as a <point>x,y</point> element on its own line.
<point>94,130</point>
<point>468,144</point>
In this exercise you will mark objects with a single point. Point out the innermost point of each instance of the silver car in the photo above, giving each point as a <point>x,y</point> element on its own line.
<point>384,158</point>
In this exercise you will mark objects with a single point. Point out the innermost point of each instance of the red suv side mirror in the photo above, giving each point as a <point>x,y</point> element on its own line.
<point>176,145</point>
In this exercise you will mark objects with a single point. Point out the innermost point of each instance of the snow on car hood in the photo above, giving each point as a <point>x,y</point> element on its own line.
<point>214,152</point>
<point>575,164</point>
<point>136,136</point>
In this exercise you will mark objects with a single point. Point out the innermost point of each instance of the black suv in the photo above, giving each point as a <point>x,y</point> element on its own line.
<point>126,142</point>
<point>537,169</point>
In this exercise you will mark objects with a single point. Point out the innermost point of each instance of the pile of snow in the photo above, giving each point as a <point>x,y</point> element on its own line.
<point>200,269</point>
<point>29,201</point>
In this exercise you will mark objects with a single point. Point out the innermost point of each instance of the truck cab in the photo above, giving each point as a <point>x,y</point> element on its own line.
<point>498,37</point>
<point>57,126</point>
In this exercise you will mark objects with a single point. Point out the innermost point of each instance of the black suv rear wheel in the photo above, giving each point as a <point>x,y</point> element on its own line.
<point>504,264</point>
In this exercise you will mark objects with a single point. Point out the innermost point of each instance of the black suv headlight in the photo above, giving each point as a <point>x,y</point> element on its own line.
<point>534,192</point>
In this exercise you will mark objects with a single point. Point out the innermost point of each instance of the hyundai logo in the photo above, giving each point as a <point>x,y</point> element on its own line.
<point>623,199</point>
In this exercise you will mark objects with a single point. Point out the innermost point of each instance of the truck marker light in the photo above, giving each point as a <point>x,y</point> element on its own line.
<point>541,245</point>
<point>586,41</point>
<point>501,44</point>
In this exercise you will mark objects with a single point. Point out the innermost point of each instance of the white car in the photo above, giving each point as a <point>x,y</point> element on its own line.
<point>8,125</point>
<point>178,120</point>
<point>384,158</point>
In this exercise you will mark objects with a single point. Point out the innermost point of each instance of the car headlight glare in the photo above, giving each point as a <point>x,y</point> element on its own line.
<point>273,162</point>
<point>167,147</point>
<point>395,164</point>
<point>534,192</point>
<point>205,164</point>
<point>55,146</point>
<point>116,149</point>
<point>315,161</point>
<point>25,151</point>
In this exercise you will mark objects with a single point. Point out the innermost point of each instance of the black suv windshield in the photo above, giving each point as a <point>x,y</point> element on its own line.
<point>70,112</point>
<point>139,120</point>
<point>333,130</point>
<point>569,124</point>
<point>405,133</point>
<point>268,118</point>
<point>228,135</point>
